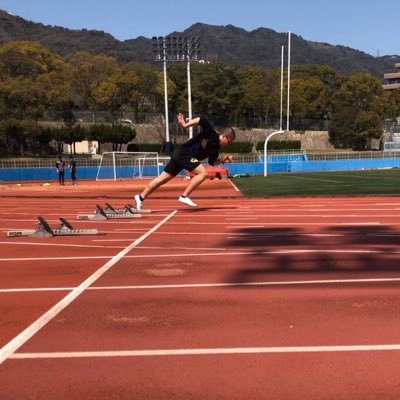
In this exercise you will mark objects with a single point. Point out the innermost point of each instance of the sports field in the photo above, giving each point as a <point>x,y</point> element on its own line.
<point>329,183</point>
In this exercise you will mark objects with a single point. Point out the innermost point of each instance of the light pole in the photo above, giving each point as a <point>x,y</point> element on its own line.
<point>160,55</point>
<point>192,54</point>
<point>176,49</point>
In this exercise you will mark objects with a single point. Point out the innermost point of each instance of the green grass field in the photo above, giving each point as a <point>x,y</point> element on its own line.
<point>332,183</point>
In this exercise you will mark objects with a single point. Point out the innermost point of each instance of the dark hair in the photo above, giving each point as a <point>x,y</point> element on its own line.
<point>229,132</point>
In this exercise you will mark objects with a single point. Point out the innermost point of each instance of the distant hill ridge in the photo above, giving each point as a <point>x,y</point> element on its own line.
<point>228,44</point>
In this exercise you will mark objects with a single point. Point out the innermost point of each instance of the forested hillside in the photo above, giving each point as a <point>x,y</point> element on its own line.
<point>228,44</point>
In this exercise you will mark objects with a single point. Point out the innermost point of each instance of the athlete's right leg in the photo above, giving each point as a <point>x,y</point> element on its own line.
<point>151,187</point>
<point>156,183</point>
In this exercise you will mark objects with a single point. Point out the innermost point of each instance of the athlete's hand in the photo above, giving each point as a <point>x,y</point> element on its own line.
<point>228,159</point>
<point>181,120</point>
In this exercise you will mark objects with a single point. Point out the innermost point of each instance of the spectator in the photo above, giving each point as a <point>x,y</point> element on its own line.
<point>72,169</point>
<point>60,166</point>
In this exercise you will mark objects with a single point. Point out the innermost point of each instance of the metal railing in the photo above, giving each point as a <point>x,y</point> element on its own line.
<point>238,158</point>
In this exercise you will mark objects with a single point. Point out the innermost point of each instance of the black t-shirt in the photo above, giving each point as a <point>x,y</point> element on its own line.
<point>205,144</point>
<point>60,164</point>
<point>72,165</point>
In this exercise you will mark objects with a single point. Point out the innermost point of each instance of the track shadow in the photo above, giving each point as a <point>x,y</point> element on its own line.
<point>201,209</point>
<point>330,250</point>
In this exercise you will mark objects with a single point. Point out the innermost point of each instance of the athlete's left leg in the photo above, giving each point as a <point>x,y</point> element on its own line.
<point>200,175</point>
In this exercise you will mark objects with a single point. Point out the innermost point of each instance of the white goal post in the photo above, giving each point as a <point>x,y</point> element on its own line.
<point>116,165</point>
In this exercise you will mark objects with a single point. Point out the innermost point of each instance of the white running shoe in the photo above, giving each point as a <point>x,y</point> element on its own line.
<point>187,201</point>
<point>139,203</point>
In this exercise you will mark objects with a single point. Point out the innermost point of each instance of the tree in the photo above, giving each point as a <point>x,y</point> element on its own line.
<point>73,134</point>
<point>32,79</point>
<point>20,136</point>
<point>216,92</point>
<point>258,95</point>
<point>392,104</point>
<point>115,134</point>
<point>88,72</point>
<point>357,112</point>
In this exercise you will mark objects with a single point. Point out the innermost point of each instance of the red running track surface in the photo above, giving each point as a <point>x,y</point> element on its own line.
<point>238,298</point>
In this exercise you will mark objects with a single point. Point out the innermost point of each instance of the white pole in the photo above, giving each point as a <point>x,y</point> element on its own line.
<point>166,94</point>
<point>288,85</point>
<point>265,150</point>
<point>280,119</point>
<point>287,111</point>
<point>189,97</point>
<point>114,168</point>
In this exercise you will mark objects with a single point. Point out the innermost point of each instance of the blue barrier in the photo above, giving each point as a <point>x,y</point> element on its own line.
<point>49,174</point>
<point>343,165</point>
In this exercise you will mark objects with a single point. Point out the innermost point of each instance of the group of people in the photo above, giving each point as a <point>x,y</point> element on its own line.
<point>60,168</point>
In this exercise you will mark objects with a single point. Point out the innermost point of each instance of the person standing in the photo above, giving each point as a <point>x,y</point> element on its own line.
<point>206,144</point>
<point>60,166</point>
<point>72,169</point>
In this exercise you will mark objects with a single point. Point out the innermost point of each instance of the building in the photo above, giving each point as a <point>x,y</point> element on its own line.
<point>392,80</point>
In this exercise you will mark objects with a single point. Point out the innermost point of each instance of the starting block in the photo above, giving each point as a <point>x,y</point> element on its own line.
<point>109,212</point>
<point>213,172</point>
<point>43,230</point>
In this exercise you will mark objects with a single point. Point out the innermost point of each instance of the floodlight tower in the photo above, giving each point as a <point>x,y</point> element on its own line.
<point>176,49</point>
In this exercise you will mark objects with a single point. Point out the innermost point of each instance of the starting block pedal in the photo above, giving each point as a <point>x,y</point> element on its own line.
<point>43,230</point>
<point>109,212</point>
<point>142,211</point>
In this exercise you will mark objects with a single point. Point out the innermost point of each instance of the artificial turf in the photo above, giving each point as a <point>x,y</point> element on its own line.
<point>331,183</point>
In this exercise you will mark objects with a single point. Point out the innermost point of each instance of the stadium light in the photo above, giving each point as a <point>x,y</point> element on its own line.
<point>176,49</point>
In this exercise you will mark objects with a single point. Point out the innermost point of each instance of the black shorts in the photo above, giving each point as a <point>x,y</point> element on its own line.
<point>181,159</point>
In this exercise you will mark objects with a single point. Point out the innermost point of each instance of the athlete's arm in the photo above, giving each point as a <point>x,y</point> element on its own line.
<point>188,124</point>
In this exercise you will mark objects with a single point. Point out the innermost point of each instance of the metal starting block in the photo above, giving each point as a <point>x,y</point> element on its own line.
<point>111,213</point>
<point>142,211</point>
<point>43,230</point>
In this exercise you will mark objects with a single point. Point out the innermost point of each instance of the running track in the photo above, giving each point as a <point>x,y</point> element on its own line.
<point>239,298</point>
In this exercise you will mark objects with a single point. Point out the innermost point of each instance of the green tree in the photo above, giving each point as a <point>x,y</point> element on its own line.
<point>257,95</point>
<point>357,112</point>
<point>392,104</point>
<point>87,74</point>
<point>115,134</point>
<point>73,134</point>
<point>21,137</point>
<point>216,92</point>
<point>32,79</point>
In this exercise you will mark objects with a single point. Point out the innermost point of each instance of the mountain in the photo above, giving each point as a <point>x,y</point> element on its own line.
<point>228,44</point>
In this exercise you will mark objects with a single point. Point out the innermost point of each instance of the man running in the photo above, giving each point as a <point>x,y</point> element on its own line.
<point>206,144</point>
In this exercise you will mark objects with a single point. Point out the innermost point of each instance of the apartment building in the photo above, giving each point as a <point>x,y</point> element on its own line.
<point>392,79</point>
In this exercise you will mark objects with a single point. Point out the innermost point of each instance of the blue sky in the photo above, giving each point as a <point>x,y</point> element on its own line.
<point>367,26</point>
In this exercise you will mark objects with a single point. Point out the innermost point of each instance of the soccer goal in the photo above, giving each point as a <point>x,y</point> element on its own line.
<point>116,165</point>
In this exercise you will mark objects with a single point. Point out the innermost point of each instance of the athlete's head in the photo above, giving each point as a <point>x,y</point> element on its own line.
<point>226,136</point>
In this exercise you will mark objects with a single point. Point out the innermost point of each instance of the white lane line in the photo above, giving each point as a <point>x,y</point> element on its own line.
<point>234,186</point>
<point>213,253</point>
<point>86,246</point>
<point>209,351</point>
<point>25,335</point>
<point>55,258</point>
<point>212,285</point>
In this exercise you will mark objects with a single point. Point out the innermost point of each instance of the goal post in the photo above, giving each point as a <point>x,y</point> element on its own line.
<point>116,165</point>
